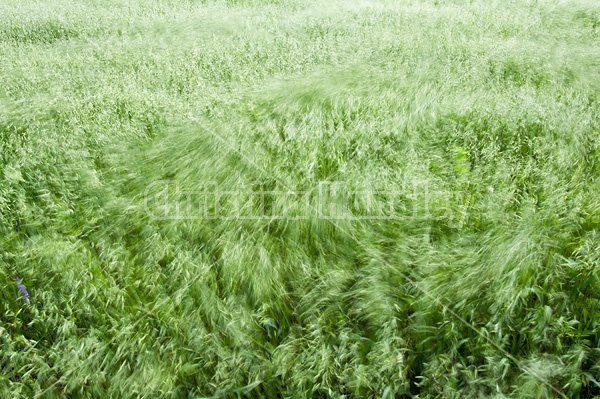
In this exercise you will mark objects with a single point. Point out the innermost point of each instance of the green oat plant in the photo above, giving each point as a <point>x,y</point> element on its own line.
<point>298,199</point>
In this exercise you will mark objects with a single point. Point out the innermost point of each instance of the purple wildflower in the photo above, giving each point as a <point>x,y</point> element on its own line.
<point>23,290</point>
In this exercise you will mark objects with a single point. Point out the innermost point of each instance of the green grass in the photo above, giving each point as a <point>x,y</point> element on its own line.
<point>431,227</point>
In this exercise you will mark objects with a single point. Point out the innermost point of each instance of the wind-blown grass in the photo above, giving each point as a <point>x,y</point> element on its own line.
<point>429,222</point>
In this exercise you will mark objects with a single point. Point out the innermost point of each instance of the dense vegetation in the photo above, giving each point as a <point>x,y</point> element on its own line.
<point>430,227</point>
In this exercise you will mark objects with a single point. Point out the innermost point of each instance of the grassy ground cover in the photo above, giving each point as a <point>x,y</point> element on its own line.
<point>295,198</point>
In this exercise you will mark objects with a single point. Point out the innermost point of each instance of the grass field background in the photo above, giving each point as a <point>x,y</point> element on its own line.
<point>446,242</point>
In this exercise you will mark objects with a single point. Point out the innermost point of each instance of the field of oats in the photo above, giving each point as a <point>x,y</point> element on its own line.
<point>299,199</point>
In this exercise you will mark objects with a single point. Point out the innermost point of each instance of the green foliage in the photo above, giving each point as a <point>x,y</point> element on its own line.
<point>409,199</point>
